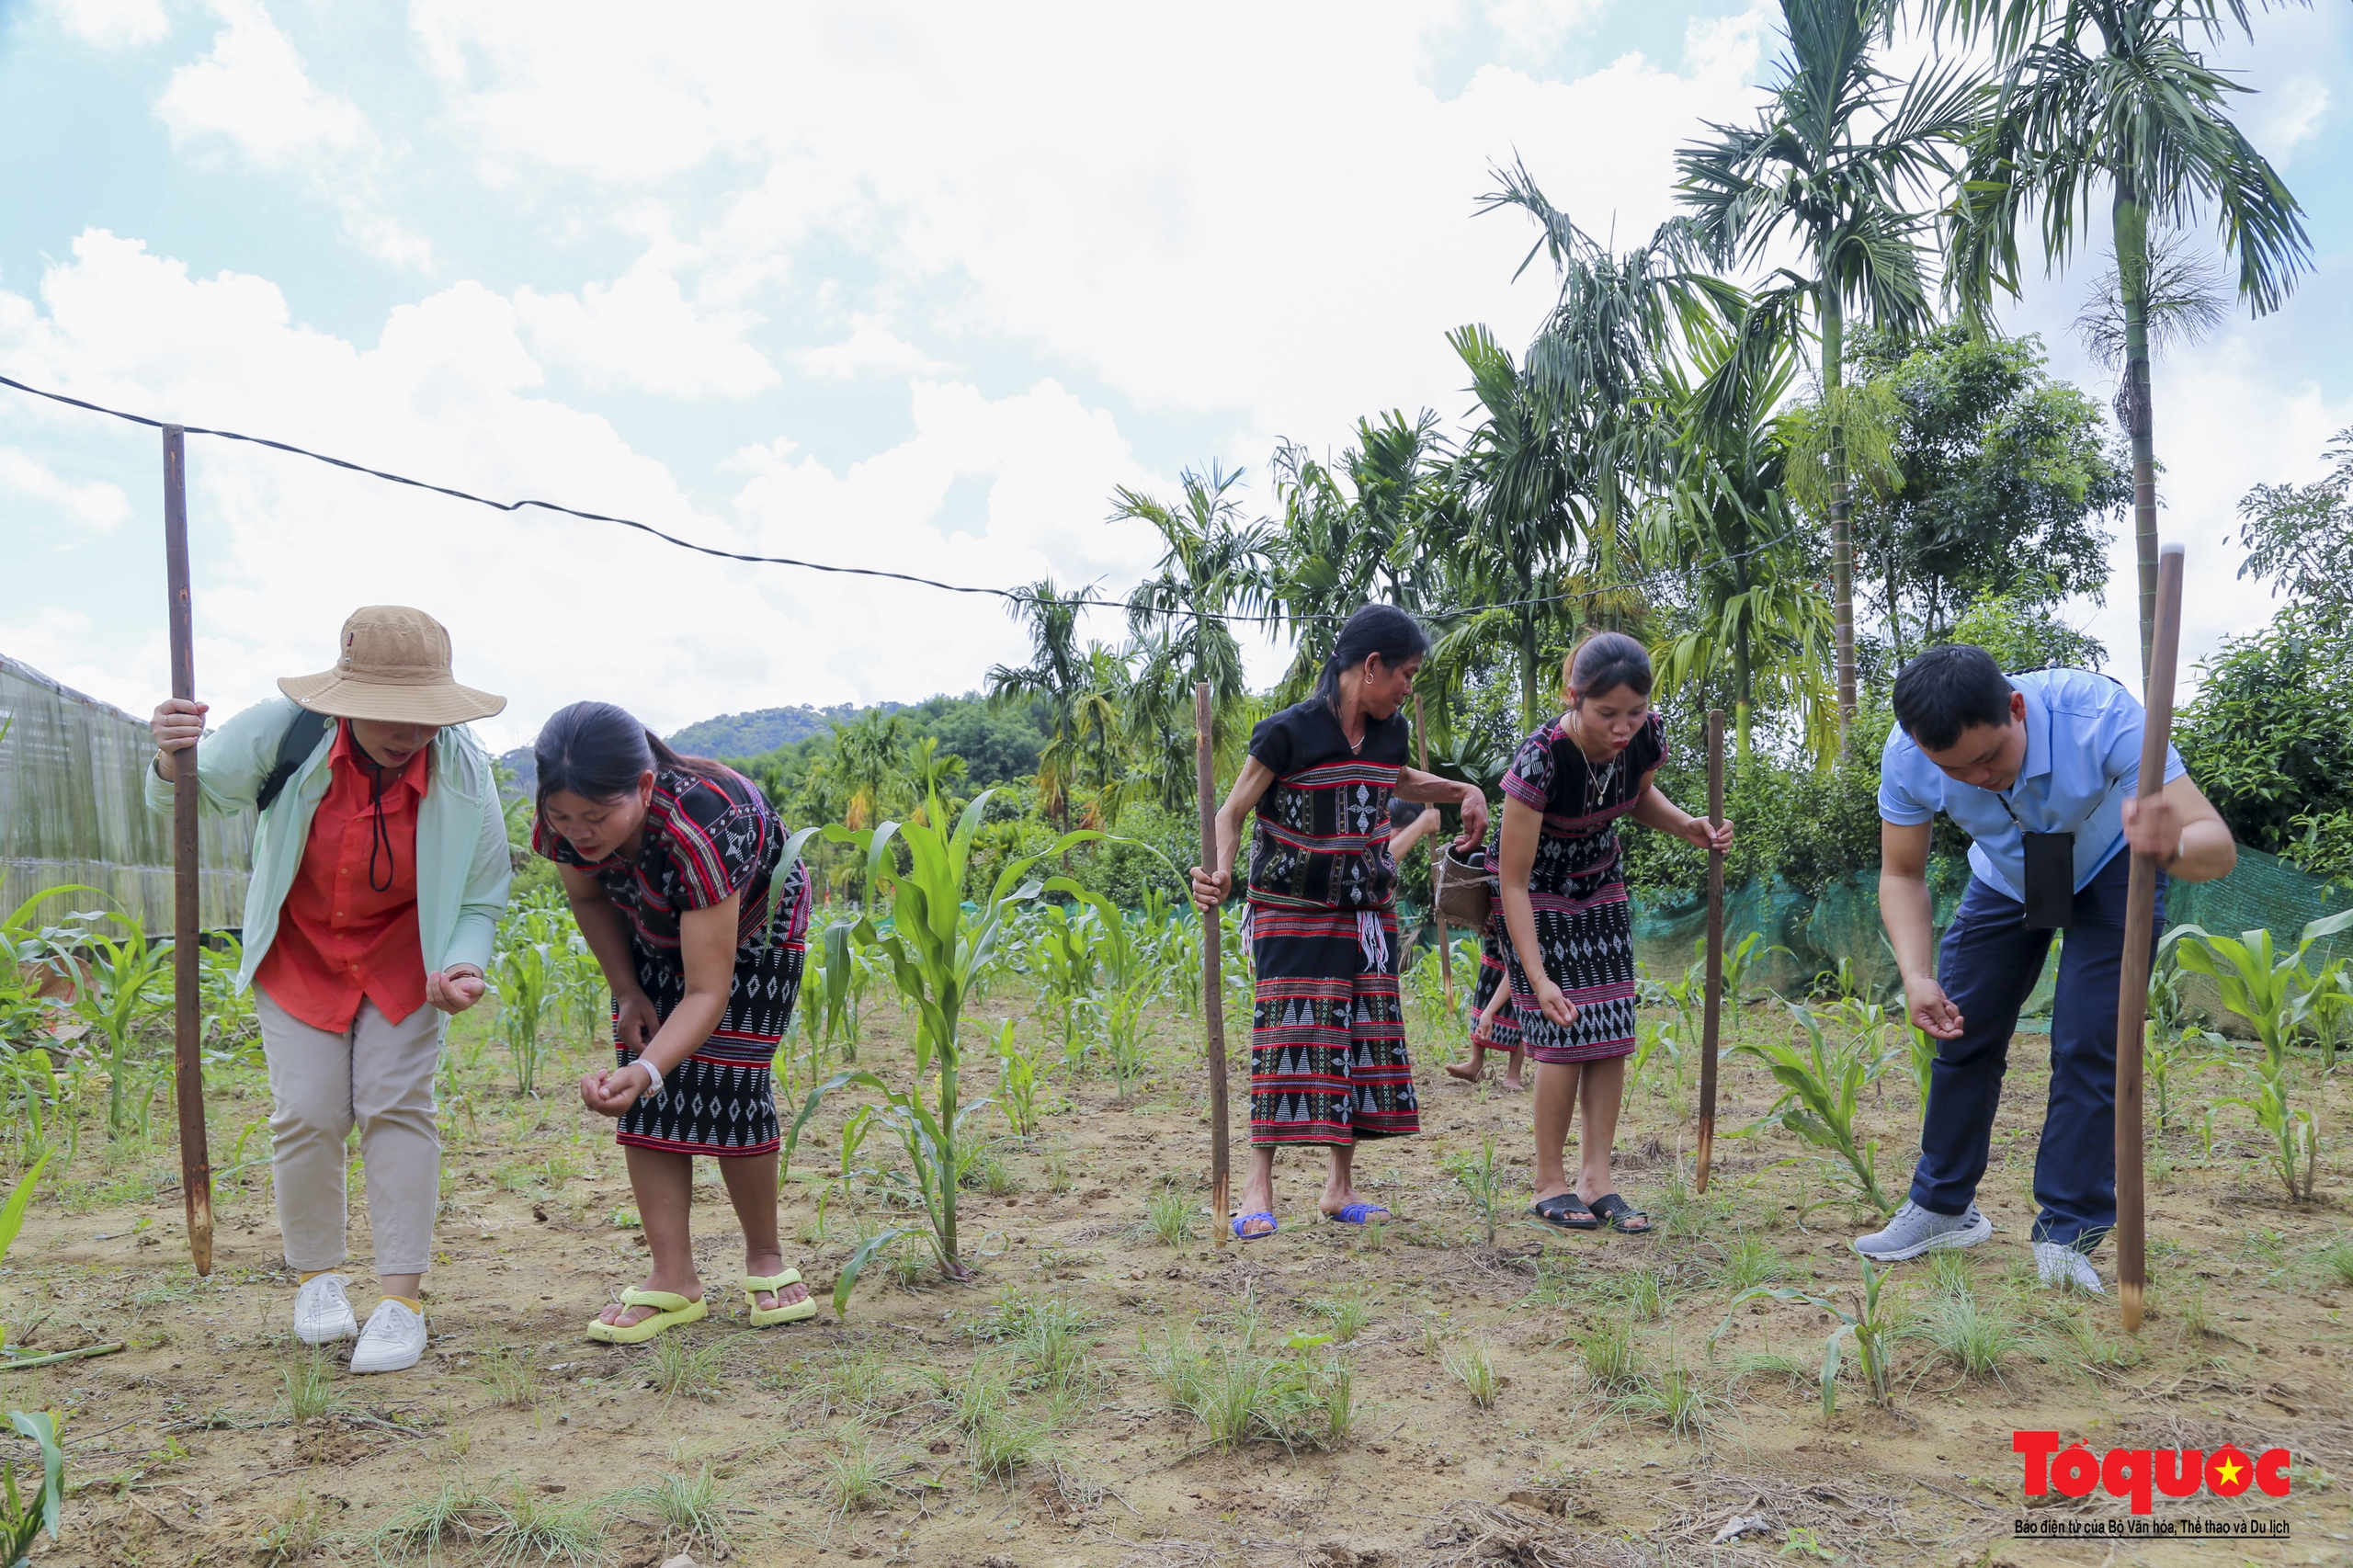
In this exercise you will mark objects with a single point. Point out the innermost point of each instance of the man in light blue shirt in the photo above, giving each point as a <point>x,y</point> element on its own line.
<point>2041,770</point>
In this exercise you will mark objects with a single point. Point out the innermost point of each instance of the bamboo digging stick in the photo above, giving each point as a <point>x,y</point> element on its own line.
<point>1213,969</point>
<point>2140,938</point>
<point>1711,1017</point>
<point>1438,849</point>
<point>187,1018</point>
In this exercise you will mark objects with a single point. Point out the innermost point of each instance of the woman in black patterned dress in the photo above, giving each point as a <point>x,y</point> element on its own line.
<point>675,868</point>
<point>1327,1037</point>
<point>1571,949</point>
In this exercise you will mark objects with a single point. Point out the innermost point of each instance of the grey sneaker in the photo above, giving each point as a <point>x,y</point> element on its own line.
<point>2061,1264</point>
<point>1914,1231</point>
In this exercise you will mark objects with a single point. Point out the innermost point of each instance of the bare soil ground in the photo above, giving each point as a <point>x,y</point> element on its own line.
<point>214,1438</point>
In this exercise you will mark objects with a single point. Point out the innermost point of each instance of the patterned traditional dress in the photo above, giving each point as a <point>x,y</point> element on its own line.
<point>1577,888</point>
<point>1327,1036</point>
<point>704,840</point>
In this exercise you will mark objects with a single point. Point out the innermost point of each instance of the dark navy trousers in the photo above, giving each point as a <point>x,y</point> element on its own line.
<point>1988,964</point>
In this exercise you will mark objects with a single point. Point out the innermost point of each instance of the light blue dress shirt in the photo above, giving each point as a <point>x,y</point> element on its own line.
<point>2082,758</point>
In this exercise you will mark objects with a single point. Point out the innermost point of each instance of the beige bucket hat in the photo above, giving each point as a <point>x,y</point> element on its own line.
<point>395,669</point>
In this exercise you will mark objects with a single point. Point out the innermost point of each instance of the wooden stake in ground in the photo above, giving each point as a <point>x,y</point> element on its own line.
<point>1213,969</point>
<point>187,1017</point>
<point>1437,852</point>
<point>2140,933</point>
<point>1712,1017</point>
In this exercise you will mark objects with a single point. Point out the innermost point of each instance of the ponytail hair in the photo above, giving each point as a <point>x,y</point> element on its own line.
<point>1603,663</point>
<point>596,750</point>
<point>1376,629</point>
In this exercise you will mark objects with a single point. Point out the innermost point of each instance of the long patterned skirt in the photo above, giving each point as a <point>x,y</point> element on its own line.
<point>719,1100</point>
<point>1495,970</point>
<point>1327,1034</point>
<point>1587,942</point>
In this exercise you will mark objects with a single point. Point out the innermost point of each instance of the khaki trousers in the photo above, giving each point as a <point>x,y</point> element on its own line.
<point>377,1076</point>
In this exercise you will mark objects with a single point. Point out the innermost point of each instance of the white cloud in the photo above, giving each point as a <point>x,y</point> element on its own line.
<point>253,89</point>
<point>112,24</point>
<point>2287,115</point>
<point>98,504</point>
<point>641,329</point>
<point>870,345</point>
<point>541,607</point>
<point>1539,25</point>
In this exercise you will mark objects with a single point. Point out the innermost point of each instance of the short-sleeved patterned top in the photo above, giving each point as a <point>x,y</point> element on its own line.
<point>1322,826</point>
<point>1582,801</point>
<point>704,840</point>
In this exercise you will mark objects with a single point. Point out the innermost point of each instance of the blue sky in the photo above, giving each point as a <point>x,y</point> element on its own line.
<point>907,285</point>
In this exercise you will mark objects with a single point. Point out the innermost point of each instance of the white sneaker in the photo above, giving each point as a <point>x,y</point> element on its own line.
<point>2059,1264</point>
<point>1915,1230</point>
<point>322,1313</point>
<point>393,1341</point>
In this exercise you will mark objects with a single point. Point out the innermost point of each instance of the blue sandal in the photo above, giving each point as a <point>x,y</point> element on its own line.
<point>1241,1219</point>
<point>1359,1214</point>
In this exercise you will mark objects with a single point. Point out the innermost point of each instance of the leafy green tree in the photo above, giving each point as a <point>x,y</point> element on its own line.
<point>2109,94</point>
<point>1835,164</point>
<point>1214,565</point>
<point>2266,736</point>
<point>1999,481</point>
<point>1347,533</point>
<point>2301,536</point>
<point>1056,676</point>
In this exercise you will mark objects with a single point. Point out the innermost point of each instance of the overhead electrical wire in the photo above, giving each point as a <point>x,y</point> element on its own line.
<point>1085,600</point>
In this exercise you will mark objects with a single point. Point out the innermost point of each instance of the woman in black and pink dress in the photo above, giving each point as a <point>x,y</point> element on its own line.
<point>1570,952</point>
<point>1327,1038</point>
<point>676,870</point>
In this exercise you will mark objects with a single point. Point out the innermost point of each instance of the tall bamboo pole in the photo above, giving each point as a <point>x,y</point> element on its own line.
<point>1437,848</point>
<point>2140,937</point>
<point>1712,1016</point>
<point>1212,968</point>
<point>187,1018</point>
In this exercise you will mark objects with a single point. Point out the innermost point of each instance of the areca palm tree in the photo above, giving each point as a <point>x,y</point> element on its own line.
<point>1836,162</point>
<point>2109,93</point>
<point>1214,565</point>
<point>1057,672</point>
<point>1755,622</point>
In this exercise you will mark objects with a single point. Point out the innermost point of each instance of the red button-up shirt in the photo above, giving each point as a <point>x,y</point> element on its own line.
<point>340,940</point>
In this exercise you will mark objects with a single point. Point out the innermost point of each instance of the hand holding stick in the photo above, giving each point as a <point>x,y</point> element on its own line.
<point>187,1014</point>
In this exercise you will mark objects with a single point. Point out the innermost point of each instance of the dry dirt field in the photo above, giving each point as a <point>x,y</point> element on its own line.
<point>1536,1399</point>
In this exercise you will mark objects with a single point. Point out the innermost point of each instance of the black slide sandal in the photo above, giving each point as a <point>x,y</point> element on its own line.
<point>1613,1211</point>
<point>1563,1211</point>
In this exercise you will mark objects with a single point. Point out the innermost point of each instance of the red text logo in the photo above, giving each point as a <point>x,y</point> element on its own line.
<point>2139,1473</point>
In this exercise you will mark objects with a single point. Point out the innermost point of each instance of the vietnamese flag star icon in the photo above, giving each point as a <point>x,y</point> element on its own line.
<point>2229,1470</point>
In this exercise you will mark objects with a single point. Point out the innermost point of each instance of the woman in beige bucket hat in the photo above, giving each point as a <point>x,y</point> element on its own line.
<point>379,872</point>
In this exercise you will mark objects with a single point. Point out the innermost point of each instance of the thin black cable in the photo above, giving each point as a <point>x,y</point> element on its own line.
<point>1012,595</point>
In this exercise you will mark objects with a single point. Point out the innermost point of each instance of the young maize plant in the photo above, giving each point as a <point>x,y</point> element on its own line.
<point>1822,1088</point>
<point>1869,1324</point>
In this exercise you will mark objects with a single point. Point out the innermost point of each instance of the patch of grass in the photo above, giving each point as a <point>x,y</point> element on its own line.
<point>2336,1260</point>
<point>1347,1309</point>
<point>289,1533</point>
<point>1644,1295</point>
<point>310,1387</point>
<point>1058,1176</point>
<point>511,1378</point>
<point>533,1530</point>
<point>692,1509</point>
<point>1177,1364</point>
<point>449,1515</point>
<point>1975,1338</point>
<point>857,1477</point>
<point>2094,1349</point>
<point>991,1175</point>
<point>1001,1446</point>
<point>1951,1272</point>
<point>1748,1260</point>
<point>1608,1354</point>
<point>981,1394</point>
<point>681,1370</point>
<point>856,1379</point>
<point>1169,1218</point>
<point>1048,1335</point>
<point>1775,1366</point>
<point>1475,1369</point>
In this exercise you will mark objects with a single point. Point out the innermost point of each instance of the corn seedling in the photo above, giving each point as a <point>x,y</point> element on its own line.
<point>936,950</point>
<point>839,991</point>
<point>26,1511</point>
<point>1821,1088</point>
<point>1019,1075</point>
<point>1923,1065</point>
<point>519,975</point>
<point>120,986</point>
<point>1869,1325</point>
<point>2275,994</point>
<point>2162,1058</point>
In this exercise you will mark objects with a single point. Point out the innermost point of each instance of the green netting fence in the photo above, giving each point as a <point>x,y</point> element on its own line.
<point>70,811</point>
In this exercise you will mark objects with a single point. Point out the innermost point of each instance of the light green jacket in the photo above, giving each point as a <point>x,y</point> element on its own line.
<point>462,867</point>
